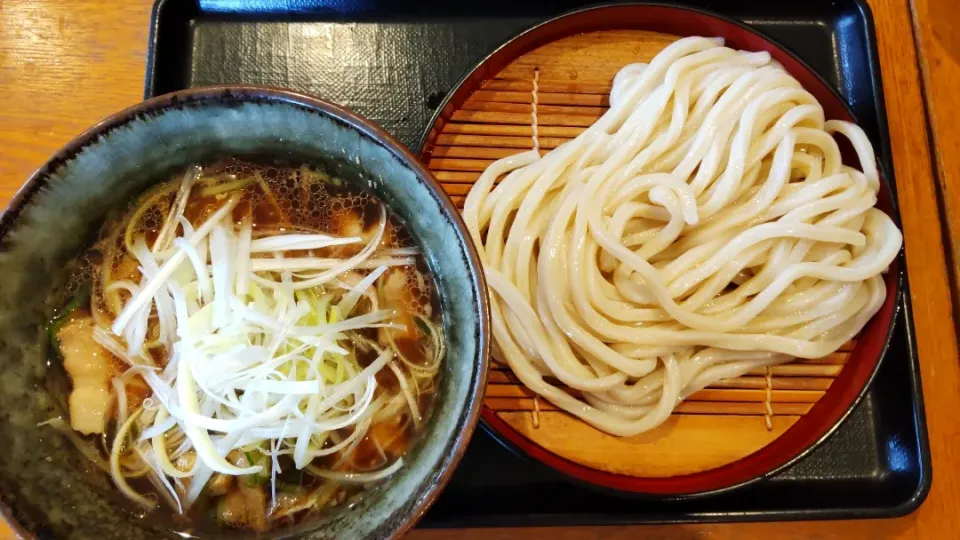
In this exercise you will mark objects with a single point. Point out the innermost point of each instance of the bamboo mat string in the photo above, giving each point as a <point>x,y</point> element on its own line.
<point>536,412</point>
<point>533,112</point>
<point>535,136</point>
<point>768,399</point>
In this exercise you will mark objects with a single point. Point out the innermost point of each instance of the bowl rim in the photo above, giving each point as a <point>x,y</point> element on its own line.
<point>428,491</point>
<point>681,21</point>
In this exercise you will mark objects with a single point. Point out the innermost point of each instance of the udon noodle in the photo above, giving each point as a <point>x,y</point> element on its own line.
<point>704,226</point>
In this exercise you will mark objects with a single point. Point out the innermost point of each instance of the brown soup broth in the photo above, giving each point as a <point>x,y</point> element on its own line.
<point>281,198</point>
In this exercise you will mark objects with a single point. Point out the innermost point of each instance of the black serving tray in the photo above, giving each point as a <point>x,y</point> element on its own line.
<point>393,61</point>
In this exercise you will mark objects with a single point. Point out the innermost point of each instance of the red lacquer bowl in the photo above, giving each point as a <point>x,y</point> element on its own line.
<point>847,388</point>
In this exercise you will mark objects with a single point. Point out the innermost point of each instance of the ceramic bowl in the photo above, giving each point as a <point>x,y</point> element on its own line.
<point>48,489</point>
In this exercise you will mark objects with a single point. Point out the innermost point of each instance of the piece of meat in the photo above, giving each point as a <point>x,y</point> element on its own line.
<point>244,508</point>
<point>392,436</point>
<point>90,368</point>
<point>350,222</point>
<point>219,484</point>
<point>395,294</point>
<point>186,460</point>
<point>289,504</point>
<point>89,408</point>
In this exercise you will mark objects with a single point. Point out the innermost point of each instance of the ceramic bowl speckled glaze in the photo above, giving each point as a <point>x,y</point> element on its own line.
<point>47,487</point>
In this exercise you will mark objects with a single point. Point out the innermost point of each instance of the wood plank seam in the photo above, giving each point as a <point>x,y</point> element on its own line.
<point>947,207</point>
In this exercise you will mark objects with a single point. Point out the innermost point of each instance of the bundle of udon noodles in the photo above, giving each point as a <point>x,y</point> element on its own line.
<point>704,226</point>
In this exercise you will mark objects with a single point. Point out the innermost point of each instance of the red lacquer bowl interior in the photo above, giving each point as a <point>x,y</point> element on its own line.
<point>857,373</point>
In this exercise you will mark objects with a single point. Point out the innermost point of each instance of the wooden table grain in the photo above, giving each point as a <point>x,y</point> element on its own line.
<point>65,64</point>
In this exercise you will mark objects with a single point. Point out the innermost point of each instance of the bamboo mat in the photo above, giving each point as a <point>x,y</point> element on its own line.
<point>717,425</point>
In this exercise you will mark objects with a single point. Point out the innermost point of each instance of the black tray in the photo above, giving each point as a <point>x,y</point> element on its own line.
<point>393,61</point>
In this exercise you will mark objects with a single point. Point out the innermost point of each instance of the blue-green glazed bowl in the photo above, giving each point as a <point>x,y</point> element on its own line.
<point>48,489</point>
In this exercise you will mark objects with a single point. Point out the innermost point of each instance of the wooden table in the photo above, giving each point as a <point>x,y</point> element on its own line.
<point>64,64</point>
